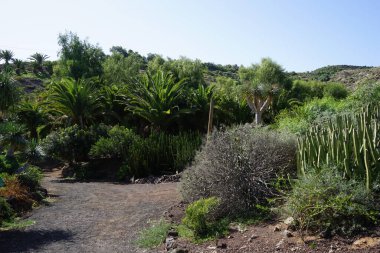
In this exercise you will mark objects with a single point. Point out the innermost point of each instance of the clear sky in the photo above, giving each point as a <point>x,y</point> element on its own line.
<point>301,35</point>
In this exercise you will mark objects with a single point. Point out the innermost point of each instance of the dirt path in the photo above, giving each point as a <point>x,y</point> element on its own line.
<point>91,217</point>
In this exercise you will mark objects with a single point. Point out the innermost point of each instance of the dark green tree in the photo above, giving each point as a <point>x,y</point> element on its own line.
<point>78,58</point>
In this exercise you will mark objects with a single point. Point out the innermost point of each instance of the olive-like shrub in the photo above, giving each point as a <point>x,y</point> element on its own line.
<point>239,166</point>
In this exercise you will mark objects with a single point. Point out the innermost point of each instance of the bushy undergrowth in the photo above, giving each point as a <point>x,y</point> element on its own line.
<point>199,217</point>
<point>156,154</point>
<point>6,212</point>
<point>31,178</point>
<point>153,235</point>
<point>324,201</point>
<point>72,143</point>
<point>299,119</point>
<point>238,166</point>
<point>8,164</point>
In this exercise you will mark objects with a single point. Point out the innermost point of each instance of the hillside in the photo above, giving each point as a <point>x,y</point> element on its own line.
<point>351,76</point>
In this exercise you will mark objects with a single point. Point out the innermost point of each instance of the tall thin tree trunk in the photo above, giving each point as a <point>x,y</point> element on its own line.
<point>210,117</point>
<point>258,117</point>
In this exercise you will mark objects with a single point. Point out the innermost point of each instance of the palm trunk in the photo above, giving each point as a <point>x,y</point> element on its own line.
<point>11,152</point>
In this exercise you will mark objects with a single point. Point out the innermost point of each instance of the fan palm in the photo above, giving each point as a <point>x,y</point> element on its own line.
<point>157,98</point>
<point>76,100</point>
<point>6,55</point>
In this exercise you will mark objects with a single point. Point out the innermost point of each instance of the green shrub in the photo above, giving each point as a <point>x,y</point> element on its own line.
<point>335,90</point>
<point>238,166</point>
<point>123,172</point>
<point>8,164</point>
<point>156,154</point>
<point>299,118</point>
<point>33,152</point>
<point>322,200</point>
<point>116,145</point>
<point>6,212</point>
<point>31,178</point>
<point>154,235</point>
<point>199,217</point>
<point>72,143</point>
<point>306,90</point>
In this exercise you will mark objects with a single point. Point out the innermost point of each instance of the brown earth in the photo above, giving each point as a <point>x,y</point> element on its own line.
<point>273,237</point>
<point>90,217</point>
<point>106,217</point>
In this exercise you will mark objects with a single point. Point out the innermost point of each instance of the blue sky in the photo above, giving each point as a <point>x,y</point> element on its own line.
<point>301,35</point>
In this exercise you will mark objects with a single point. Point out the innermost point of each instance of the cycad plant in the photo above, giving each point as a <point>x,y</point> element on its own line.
<point>157,98</point>
<point>38,60</point>
<point>76,101</point>
<point>32,116</point>
<point>6,55</point>
<point>19,66</point>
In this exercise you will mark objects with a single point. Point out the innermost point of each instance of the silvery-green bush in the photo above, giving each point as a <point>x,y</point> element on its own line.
<point>239,166</point>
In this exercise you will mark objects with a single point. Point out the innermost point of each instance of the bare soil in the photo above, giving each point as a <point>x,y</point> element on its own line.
<point>270,237</point>
<point>107,217</point>
<point>90,217</point>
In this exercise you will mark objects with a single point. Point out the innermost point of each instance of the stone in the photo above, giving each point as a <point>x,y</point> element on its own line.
<point>287,233</point>
<point>179,251</point>
<point>279,244</point>
<point>172,233</point>
<point>366,242</point>
<point>277,228</point>
<point>253,237</point>
<point>221,245</point>
<point>170,243</point>
<point>289,221</point>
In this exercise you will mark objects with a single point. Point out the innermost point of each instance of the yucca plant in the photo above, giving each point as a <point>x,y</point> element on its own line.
<point>351,142</point>
<point>11,136</point>
<point>9,92</point>
<point>156,98</point>
<point>77,101</point>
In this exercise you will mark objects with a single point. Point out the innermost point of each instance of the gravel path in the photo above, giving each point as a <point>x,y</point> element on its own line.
<point>91,217</point>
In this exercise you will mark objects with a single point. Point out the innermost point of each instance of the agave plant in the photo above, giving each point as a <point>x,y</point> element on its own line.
<point>156,98</point>
<point>78,101</point>
<point>6,55</point>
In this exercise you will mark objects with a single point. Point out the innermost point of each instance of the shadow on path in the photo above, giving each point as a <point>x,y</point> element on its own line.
<point>20,241</point>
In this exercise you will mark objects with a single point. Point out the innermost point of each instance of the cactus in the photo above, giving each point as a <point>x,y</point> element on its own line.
<point>351,142</point>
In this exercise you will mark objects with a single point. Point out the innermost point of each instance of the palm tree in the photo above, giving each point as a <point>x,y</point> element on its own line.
<point>9,93</point>
<point>6,55</point>
<point>156,98</point>
<point>78,101</point>
<point>32,116</point>
<point>38,60</point>
<point>19,66</point>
